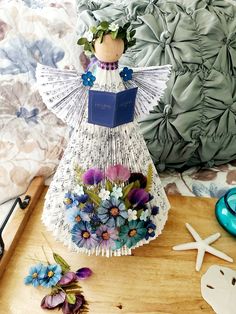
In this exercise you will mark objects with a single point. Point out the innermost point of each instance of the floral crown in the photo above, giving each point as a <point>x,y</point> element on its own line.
<point>104,28</point>
<point>111,210</point>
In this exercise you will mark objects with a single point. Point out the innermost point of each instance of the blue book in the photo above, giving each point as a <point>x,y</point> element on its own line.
<point>111,109</point>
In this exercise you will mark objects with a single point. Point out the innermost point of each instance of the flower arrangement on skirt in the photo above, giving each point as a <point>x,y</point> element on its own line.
<point>111,209</point>
<point>65,290</point>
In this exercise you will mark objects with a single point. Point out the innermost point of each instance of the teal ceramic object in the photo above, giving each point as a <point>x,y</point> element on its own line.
<point>226,211</point>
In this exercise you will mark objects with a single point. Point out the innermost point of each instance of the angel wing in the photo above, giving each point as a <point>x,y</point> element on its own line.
<point>63,93</point>
<point>151,83</point>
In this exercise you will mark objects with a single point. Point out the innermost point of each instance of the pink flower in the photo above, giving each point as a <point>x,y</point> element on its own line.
<point>117,173</point>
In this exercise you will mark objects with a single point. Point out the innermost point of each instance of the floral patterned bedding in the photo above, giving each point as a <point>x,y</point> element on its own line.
<point>32,139</point>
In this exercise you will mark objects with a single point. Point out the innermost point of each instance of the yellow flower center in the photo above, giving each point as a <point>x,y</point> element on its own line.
<point>105,235</point>
<point>132,232</point>
<point>78,218</point>
<point>35,275</point>
<point>114,211</point>
<point>67,201</point>
<point>86,234</point>
<point>50,274</point>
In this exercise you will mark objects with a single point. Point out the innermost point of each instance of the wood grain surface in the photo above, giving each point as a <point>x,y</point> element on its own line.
<point>153,280</point>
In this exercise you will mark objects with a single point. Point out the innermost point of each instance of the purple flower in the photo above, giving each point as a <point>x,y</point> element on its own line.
<point>118,173</point>
<point>107,237</point>
<point>68,308</point>
<point>83,236</point>
<point>88,208</point>
<point>83,273</point>
<point>138,176</point>
<point>67,278</point>
<point>138,197</point>
<point>92,176</point>
<point>53,300</point>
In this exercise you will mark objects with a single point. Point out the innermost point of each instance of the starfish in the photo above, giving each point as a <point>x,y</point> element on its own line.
<point>202,245</point>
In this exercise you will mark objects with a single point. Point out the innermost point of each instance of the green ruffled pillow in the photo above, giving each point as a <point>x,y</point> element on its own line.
<point>196,121</point>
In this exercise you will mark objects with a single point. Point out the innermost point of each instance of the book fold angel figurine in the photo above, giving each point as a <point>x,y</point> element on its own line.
<point>106,197</point>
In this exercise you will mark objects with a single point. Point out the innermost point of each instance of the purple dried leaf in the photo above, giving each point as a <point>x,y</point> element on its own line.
<point>67,279</point>
<point>52,301</point>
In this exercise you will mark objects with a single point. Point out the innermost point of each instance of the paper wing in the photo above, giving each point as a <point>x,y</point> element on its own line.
<point>63,93</point>
<point>151,83</point>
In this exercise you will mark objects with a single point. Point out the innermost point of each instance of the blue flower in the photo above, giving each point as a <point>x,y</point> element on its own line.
<point>83,235</point>
<point>22,56</point>
<point>88,208</point>
<point>132,233</point>
<point>126,74</point>
<point>29,116</point>
<point>112,212</point>
<point>155,211</point>
<point>75,215</point>
<point>53,274</point>
<point>150,230</point>
<point>82,198</point>
<point>88,79</point>
<point>71,200</point>
<point>34,4</point>
<point>36,274</point>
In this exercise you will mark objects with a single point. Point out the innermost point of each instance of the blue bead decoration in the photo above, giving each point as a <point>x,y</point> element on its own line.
<point>126,74</point>
<point>88,79</point>
<point>225,211</point>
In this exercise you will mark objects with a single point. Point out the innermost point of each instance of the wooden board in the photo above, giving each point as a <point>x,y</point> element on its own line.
<point>153,280</point>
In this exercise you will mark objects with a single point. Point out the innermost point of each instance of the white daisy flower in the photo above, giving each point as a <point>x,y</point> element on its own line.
<point>104,194</point>
<point>132,215</point>
<point>113,27</point>
<point>88,35</point>
<point>145,215</point>
<point>116,192</point>
<point>79,190</point>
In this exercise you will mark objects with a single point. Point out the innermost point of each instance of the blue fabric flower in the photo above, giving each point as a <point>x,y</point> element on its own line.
<point>150,230</point>
<point>126,74</point>
<point>53,274</point>
<point>84,236</point>
<point>112,212</point>
<point>75,215</point>
<point>36,275</point>
<point>132,233</point>
<point>71,200</point>
<point>22,56</point>
<point>88,79</point>
<point>29,116</point>
<point>155,210</point>
<point>88,208</point>
<point>82,198</point>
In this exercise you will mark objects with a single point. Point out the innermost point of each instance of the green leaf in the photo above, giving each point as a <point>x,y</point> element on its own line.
<point>136,184</point>
<point>93,29</point>
<point>127,189</point>
<point>114,34</point>
<point>131,42</point>
<point>60,261</point>
<point>104,25</point>
<point>94,197</point>
<point>108,186</point>
<point>132,33</point>
<point>149,178</point>
<point>87,47</point>
<point>70,297</point>
<point>127,203</point>
<point>126,26</point>
<point>82,41</point>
